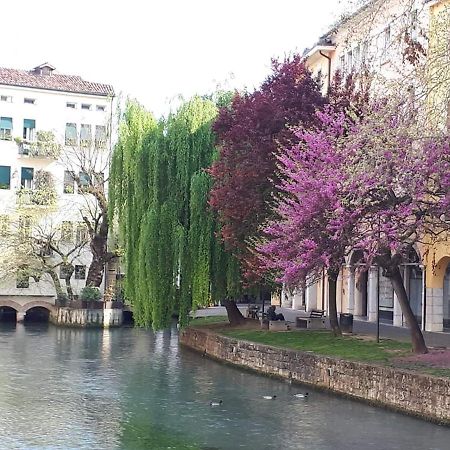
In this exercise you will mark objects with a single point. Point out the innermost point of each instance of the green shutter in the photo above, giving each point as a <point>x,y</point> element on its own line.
<point>6,122</point>
<point>5,177</point>
<point>29,123</point>
<point>27,173</point>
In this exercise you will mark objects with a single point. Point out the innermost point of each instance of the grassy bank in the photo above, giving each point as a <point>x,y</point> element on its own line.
<point>324,343</point>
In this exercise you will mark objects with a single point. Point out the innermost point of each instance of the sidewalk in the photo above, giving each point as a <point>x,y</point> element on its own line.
<point>359,326</point>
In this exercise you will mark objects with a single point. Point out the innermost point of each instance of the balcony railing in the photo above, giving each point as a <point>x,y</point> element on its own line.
<point>35,197</point>
<point>44,146</point>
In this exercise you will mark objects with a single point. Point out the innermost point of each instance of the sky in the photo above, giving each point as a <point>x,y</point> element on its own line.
<point>157,50</point>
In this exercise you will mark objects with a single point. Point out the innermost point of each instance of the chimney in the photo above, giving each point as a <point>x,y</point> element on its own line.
<point>43,69</point>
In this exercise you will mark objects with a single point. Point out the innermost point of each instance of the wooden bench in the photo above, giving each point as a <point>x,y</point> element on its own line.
<point>252,312</point>
<point>278,325</point>
<point>315,320</point>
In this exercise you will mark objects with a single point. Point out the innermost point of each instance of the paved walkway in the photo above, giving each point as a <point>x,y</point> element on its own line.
<point>359,326</point>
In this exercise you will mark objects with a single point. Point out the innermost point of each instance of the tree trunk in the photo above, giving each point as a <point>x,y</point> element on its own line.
<point>234,315</point>
<point>418,342</point>
<point>56,282</point>
<point>332,309</point>
<point>96,271</point>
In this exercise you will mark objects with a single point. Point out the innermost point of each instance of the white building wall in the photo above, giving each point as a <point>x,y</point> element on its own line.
<point>50,113</point>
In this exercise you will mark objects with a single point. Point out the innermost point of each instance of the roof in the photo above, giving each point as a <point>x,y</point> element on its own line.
<point>52,81</point>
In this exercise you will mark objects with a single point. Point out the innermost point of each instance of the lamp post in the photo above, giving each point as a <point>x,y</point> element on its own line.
<point>378,304</point>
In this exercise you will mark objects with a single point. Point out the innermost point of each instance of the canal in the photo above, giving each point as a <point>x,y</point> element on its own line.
<point>134,389</point>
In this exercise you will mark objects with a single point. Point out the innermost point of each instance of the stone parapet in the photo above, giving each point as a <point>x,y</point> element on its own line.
<point>85,318</point>
<point>415,394</point>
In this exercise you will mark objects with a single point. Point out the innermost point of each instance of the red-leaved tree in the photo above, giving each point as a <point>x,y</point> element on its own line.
<point>249,133</point>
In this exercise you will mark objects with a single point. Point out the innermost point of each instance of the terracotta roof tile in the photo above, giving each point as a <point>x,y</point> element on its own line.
<point>53,82</point>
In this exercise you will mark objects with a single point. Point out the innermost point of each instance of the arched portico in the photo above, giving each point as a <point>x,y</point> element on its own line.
<point>22,309</point>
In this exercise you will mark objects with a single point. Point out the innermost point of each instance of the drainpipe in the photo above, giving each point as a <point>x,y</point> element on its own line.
<point>329,70</point>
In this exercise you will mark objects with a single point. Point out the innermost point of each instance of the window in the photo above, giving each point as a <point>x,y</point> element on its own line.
<point>5,177</point>
<point>100,136</point>
<point>69,182</point>
<point>29,126</point>
<point>414,25</point>
<point>85,135</point>
<point>6,98</point>
<point>86,106</point>
<point>6,128</point>
<point>85,179</point>
<point>26,177</point>
<point>71,105</point>
<point>29,101</point>
<point>80,272</point>
<point>386,43</point>
<point>82,233</point>
<point>101,108</point>
<point>65,271</point>
<point>71,134</point>
<point>342,63</point>
<point>66,231</point>
<point>356,57</point>
<point>349,61</point>
<point>22,280</point>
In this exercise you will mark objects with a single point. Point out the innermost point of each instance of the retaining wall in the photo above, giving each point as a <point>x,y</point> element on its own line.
<point>416,394</point>
<point>87,317</point>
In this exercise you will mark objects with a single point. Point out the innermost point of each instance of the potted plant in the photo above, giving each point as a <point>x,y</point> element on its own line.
<point>90,296</point>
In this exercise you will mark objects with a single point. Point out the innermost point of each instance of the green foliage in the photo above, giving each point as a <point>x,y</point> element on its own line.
<point>90,293</point>
<point>159,191</point>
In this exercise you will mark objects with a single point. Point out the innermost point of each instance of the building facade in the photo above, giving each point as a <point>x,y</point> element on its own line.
<point>51,126</point>
<point>404,45</point>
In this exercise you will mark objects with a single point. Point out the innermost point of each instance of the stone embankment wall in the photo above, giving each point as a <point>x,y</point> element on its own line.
<point>420,395</point>
<point>87,317</point>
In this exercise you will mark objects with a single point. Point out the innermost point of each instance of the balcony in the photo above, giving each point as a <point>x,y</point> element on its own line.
<point>33,197</point>
<point>41,193</point>
<point>43,147</point>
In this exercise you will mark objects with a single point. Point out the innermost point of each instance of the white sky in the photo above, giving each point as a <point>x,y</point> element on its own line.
<point>155,50</point>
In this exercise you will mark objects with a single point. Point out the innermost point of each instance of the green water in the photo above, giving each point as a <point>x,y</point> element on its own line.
<point>132,389</point>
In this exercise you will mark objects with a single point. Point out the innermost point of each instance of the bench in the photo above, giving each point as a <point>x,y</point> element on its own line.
<point>315,320</point>
<point>278,325</point>
<point>252,312</point>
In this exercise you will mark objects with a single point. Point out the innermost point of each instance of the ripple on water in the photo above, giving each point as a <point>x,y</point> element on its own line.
<point>131,389</point>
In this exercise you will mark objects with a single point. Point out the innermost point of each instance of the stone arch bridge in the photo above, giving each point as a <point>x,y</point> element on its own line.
<point>23,304</point>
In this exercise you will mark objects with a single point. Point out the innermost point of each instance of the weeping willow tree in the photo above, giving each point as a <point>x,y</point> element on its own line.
<point>159,191</point>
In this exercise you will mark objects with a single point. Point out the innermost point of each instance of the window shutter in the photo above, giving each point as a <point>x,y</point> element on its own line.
<point>5,175</point>
<point>6,122</point>
<point>29,123</point>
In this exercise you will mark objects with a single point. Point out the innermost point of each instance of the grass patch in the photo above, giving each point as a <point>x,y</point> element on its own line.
<point>324,343</point>
<point>208,320</point>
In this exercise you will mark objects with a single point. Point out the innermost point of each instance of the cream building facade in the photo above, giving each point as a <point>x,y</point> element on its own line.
<point>380,38</point>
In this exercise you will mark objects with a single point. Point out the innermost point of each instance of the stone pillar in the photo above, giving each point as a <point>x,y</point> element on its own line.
<point>297,299</point>
<point>434,309</point>
<point>20,317</point>
<point>372,288</point>
<point>311,297</point>
<point>351,290</point>
<point>286,298</point>
<point>398,315</point>
<point>339,292</point>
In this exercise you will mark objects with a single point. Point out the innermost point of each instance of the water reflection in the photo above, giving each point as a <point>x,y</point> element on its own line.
<point>130,389</point>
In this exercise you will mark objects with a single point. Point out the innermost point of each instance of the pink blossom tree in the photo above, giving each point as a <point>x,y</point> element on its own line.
<point>375,184</point>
